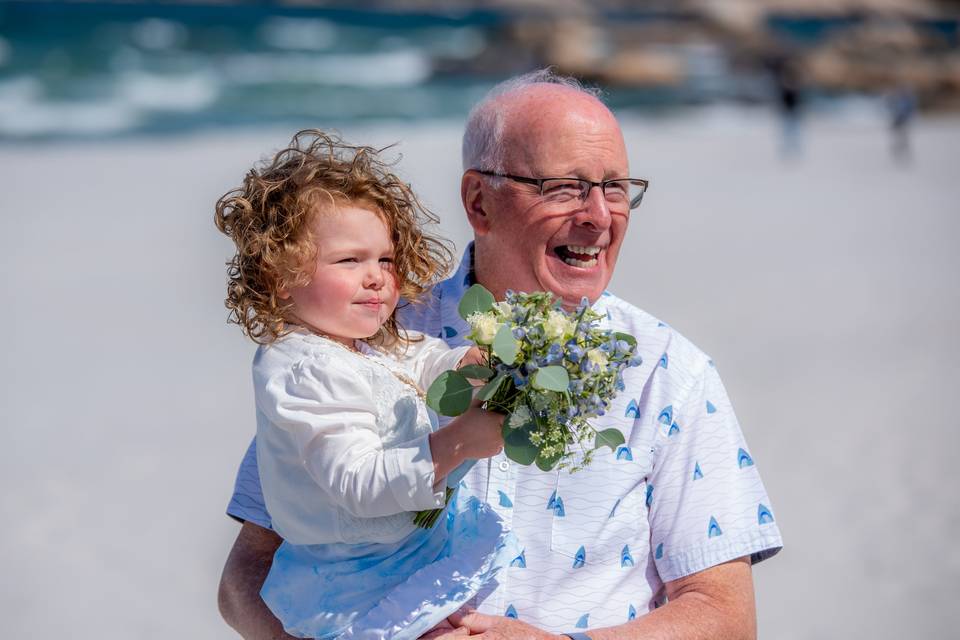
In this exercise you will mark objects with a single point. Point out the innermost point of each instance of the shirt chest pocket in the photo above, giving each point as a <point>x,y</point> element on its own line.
<point>599,513</point>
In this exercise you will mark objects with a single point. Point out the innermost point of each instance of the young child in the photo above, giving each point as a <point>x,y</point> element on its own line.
<point>327,241</point>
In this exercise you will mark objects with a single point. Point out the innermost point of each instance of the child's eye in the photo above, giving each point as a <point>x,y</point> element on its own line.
<point>347,260</point>
<point>390,260</point>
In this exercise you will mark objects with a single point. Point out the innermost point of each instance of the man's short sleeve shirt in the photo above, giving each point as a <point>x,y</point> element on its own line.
<point>682,494</point>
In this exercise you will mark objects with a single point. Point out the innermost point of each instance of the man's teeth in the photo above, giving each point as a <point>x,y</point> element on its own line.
<point>582,251</point>
<point>590,251</point>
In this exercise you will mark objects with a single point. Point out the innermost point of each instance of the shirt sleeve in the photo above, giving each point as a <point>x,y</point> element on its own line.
<point>246,504</point>
<point>707,504</point>
<point>329,412</point>
<point>430,357</point>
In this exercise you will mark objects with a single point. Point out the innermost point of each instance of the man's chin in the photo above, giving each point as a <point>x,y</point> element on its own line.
<point>573,283</point>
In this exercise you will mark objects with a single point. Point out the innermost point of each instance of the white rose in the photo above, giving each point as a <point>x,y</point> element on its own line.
<point>484,326</point>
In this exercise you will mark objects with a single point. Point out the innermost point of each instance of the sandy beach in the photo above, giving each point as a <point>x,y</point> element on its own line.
<point>825,288</point>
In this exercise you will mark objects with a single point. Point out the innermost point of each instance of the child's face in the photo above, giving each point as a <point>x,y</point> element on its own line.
<point>353,290</point>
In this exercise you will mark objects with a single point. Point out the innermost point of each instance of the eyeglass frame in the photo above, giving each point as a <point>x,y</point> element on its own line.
<point>633,203</point>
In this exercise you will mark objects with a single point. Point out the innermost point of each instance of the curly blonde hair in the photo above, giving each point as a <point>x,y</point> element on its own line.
<point>268,218</point>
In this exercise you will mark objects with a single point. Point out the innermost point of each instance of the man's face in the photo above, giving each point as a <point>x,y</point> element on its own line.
<point>532,244</point>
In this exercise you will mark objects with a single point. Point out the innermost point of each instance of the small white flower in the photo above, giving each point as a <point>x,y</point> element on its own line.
<point>520,416</point>
<point>503,308</point>
<point>557,325</point>
<point>597,357</point>
<point>484,326</point>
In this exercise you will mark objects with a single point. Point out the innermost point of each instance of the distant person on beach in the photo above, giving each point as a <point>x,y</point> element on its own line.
<point>789,96</point>
<point>327,239</point>
<point>901,106</point>
<point>655,539</point>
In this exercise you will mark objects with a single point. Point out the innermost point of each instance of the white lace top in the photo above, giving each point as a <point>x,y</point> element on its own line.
<point>342,437</point>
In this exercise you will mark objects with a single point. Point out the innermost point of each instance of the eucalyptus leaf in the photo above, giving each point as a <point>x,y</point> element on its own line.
<point>476,372</point>
<point>505,346</point>
<point>552,378</point>
<point>626,337</point>
<point>547,464</point>
<point>490,389</point>
<point>517,446</point>
<point>450,394</point>
<point>476,300</point>
<point>612,438</point>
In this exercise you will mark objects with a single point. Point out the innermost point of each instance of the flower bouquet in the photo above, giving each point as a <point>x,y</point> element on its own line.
<point>548,370</point>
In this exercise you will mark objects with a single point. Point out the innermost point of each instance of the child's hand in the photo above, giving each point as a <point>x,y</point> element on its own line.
<point>474,356</point>
<point>479,432</point>
<point>472,435</point>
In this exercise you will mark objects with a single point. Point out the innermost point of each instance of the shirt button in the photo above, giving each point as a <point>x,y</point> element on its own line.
<point>504,465</point>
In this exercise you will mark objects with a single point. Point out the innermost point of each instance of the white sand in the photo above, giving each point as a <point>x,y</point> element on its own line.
<point>825,289</point>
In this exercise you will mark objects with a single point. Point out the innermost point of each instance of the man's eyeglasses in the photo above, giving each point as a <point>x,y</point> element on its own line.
<point>621,194</point>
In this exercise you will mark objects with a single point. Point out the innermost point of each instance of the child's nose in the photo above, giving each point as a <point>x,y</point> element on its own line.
<point>374,277</point>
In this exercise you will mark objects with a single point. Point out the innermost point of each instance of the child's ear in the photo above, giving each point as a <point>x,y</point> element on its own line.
<point>471,193</point>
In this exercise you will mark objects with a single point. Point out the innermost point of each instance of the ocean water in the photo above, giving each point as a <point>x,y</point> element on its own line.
<point>69,70</point>
<point>95,70</point>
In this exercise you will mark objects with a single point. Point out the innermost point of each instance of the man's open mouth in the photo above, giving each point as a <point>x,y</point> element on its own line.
<point>578,256</point>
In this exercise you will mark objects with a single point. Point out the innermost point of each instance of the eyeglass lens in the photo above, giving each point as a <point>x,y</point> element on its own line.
<point>619,194</point>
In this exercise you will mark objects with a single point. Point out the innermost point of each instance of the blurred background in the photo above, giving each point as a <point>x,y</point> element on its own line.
<point>801,227</point>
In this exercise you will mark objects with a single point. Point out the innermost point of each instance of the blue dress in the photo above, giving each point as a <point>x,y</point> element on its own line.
<point>396,591</point>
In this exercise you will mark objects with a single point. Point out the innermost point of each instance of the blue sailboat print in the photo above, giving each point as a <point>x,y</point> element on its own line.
<point>659,552</point>
<point>744,459</point>
<point>674,429</point>
<point>510,612</point>
<point>649,494</point>
<point>710,407</point>
<point>763,514</point>
<point>663,361</point>
<point>505,500</point>
<point>714,529</point>
<point>666,415</point>
<point>520,561</point>
<point>581,558</point>
<point>633,410</point>
<point>697,474</point>
<point>582,622</point>
<point>626,560</point>
<point>624,453</point>
<point>632,613</point>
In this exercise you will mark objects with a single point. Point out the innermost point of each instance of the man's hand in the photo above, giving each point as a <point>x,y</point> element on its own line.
<point>489,627</point>
<point>445,631</point>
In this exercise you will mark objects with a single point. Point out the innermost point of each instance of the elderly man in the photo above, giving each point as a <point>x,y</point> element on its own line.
<point>653,540</point>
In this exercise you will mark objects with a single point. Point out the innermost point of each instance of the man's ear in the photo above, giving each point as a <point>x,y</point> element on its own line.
<point>472,193</point>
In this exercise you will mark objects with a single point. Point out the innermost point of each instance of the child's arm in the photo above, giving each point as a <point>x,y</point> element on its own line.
<point>475,434</point>
<point>323,421</point>
<point>430,357</point>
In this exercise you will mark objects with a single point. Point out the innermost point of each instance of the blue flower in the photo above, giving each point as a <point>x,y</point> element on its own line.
<point>519,379</point>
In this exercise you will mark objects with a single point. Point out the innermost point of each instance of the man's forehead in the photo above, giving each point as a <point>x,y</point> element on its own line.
<point>567,142</point>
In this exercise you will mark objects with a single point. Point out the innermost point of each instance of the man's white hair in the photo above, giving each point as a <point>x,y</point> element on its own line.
<point>483,135</point>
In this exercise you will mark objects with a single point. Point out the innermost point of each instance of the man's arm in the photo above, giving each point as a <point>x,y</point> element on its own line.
<point>713,604</point>
<point>243,575</point>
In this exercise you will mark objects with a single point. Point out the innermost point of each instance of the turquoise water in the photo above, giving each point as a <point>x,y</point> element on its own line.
<point>92,70</point>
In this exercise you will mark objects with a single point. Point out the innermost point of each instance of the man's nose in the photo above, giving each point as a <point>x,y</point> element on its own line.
<point>595,212</point>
